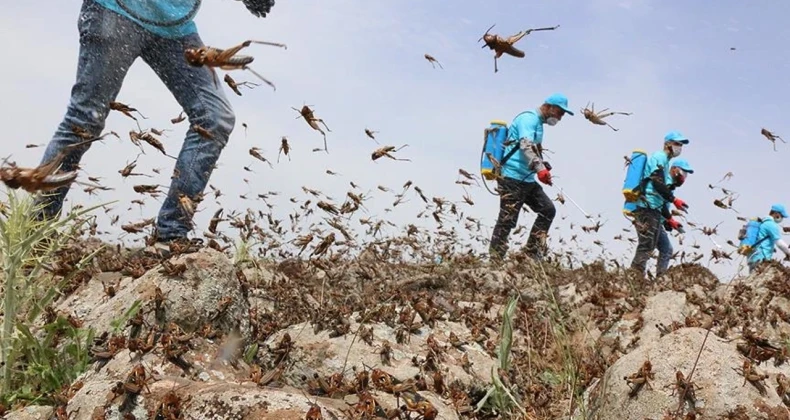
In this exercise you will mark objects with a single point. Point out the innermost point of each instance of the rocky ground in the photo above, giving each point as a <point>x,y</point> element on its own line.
<point>210,339</point>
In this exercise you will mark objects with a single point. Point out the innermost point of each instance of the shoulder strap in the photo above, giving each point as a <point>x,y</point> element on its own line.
<point>510,153</point>
<point>758,232</point>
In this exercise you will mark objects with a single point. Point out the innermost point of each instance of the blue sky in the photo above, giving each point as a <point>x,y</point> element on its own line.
<point>360,65</point>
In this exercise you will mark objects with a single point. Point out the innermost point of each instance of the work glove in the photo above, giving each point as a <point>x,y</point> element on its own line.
<point>672,224</point>
<point>681,205</point>
<point>547,165</point>
<point>545,176</point>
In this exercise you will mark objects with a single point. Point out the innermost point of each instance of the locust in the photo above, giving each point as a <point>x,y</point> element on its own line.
<point>179,118</point>
<point>255,152</point>
<point>312,121</point>
<point>771,137</point>
<point>147,137</point>
<point>202,132</point>
<point>507,45</point>
<point>640,379</point>
<point>284,148</point>
<point>433,60</point>
<point>43,177</point>
<point>726,176</point>
<point>226,59</point>
<point>235,86</point>
<point>598,118</point>
<point>370,134</point>
<point>386,151</point>
<point>125,110</point>
<point>466,175</point>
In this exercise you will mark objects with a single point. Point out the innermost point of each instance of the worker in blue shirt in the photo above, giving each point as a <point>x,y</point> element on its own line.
<point>655,195</point>
<point>769,237</point>
<point>517,185</point>
<point>679,169</point>
<point>112,35</point>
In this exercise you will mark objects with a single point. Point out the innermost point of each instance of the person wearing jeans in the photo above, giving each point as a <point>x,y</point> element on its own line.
<point>656,194</point>
<point>664,252</point>
<point>679,169</point>
<point>517,185</point>
<point>112,35</point>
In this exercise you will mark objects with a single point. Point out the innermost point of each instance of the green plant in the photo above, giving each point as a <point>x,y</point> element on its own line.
<point>36,360</point>
<point>499,397</point>
<point>243,252</point>
<point>119,323</point>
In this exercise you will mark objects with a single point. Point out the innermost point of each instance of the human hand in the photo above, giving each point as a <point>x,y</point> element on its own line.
<point>681,205</point>
<point>672,224</point>
<point>545,177</point>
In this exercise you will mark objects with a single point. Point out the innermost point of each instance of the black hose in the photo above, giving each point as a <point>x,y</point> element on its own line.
<point>176,22</point>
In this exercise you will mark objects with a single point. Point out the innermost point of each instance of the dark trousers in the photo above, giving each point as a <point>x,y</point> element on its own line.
<point>513,195</point>
<point>648,226</point>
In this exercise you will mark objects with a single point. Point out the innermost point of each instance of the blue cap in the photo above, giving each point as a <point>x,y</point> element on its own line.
<point>559,100</point>
<point>682,164</point>
<point>676,136</point>
<point>779,209</point>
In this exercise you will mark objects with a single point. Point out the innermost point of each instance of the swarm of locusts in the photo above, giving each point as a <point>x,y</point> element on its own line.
<point>336,261</point>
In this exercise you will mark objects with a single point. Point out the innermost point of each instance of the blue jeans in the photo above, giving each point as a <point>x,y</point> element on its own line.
<point>109,44</point>
<point>664,251</point>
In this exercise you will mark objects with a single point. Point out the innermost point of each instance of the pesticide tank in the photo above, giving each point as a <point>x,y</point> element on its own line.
<point>495,137</point>
<point>748,236</point>
<point>633,176</point>
<point>628,209</point>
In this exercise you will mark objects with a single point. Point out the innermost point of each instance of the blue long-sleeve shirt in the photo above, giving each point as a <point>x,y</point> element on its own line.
<point>769,234</point>
<point>160,12</point>
<point>657,193</point>
<point>528,126</point>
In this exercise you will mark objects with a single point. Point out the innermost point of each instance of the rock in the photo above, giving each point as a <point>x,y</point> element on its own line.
<point>192,299</point>
<point>721,387</point>
<point>31,412</point>
<point>664,307</point>
<point>319,353</point>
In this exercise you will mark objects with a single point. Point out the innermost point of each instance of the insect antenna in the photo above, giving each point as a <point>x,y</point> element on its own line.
<point>481,38</point>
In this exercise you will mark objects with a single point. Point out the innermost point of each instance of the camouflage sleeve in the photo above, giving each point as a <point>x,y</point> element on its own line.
<point>531,155</point>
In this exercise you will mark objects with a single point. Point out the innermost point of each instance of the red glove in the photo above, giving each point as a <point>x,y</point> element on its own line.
<point>680,204</point>
<point>545,176</point>
<point>672,224</point>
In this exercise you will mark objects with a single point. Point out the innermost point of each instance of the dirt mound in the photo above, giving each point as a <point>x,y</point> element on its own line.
<point>206,337</point>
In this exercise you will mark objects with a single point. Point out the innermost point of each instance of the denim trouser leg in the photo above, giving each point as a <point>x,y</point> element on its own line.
<point>206,105</point>
<point>647,223</point>
<point>664,251</point>
<point>109,44</point>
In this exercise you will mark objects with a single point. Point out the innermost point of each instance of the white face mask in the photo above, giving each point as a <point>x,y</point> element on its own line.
<point>676,150</point>
<point>552,121</point>
<point>778,219</point>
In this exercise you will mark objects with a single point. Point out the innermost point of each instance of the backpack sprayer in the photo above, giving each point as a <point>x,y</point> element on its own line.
<point>491,157</point>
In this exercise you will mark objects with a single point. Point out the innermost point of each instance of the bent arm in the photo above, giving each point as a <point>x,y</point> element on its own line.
<point>659,184</point>
<point>530,141</point>
<point>782,245</point>
<point>532,155</point>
